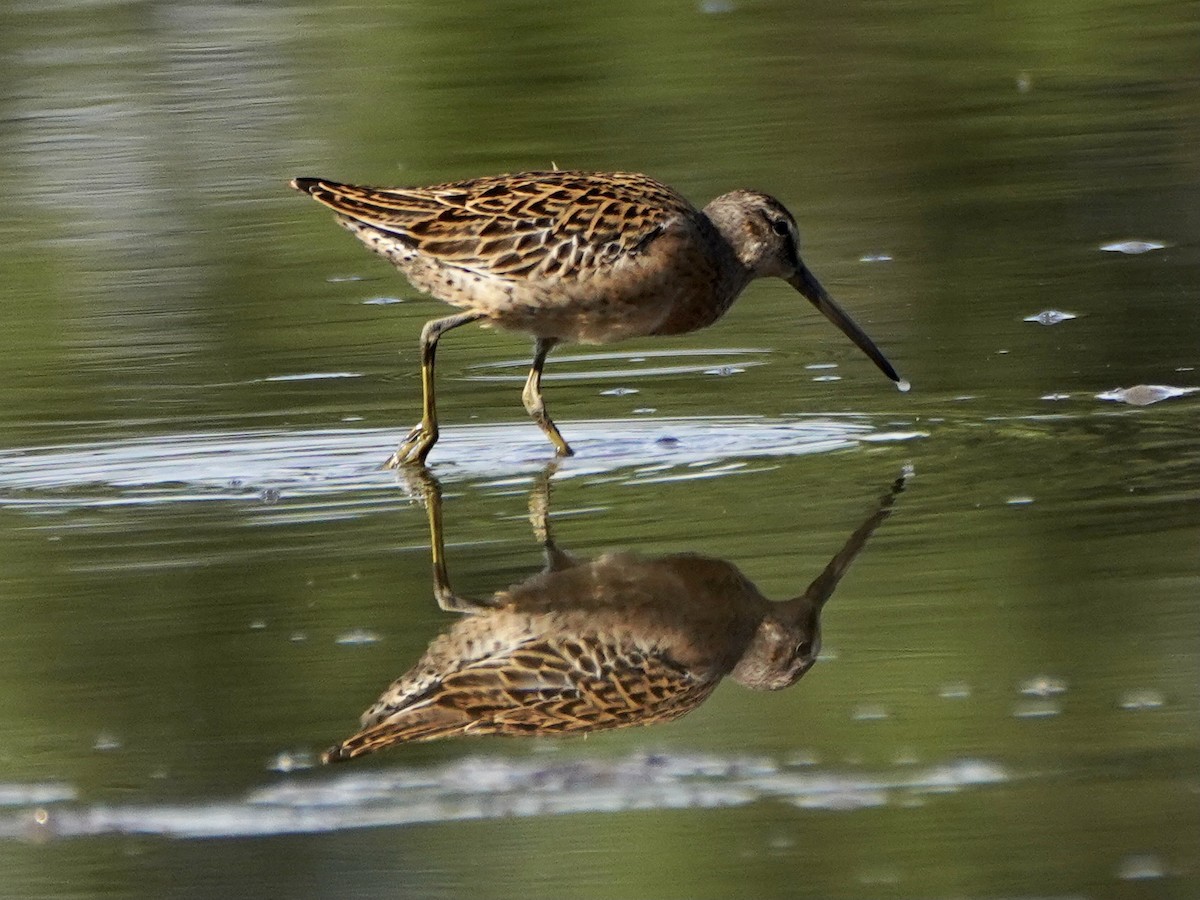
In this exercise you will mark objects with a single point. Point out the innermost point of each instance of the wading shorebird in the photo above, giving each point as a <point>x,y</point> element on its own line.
<point>587,646</point>
<point>580,257</point>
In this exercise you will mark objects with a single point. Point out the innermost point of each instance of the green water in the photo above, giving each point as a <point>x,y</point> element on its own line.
<point>204,577</point>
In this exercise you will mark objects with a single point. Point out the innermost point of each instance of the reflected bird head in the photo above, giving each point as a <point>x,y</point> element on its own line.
<point>784,647</point>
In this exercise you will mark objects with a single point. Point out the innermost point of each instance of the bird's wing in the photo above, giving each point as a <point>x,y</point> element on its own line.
<point>574,684</point>
<point>509,225</point>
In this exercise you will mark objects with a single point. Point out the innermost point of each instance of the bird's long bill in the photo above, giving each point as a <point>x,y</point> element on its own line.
<point>806,283</point>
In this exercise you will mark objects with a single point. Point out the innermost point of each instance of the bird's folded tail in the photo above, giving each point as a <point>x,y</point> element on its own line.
<point>426,724</point>
<point>386,212</point>
<point>347,199</point>
<point>307,185</point>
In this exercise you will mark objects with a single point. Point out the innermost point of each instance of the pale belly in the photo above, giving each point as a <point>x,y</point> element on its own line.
<point>664,294</point>
<point>599,318</point>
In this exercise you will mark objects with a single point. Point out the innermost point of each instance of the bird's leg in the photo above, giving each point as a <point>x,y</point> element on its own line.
<point>424,435</point>
<point>532,397</point>
<point>424,485</point>
<point>539,517</point>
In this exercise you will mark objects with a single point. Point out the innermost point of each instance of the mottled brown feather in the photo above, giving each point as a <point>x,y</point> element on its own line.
<point>547,681</point>
<point>580,257</point>
<point>617,641</point>
<point>576,256</point>
<point>469,224</point>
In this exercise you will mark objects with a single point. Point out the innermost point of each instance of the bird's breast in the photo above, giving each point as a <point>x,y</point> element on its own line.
<point>671,288</point>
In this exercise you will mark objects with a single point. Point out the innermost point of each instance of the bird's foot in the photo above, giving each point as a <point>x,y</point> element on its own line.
<point>414,448</point>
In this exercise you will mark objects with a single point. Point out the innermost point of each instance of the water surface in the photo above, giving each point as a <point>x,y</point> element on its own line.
<point>206,577</point>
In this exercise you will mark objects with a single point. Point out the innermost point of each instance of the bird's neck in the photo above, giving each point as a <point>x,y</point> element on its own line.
<point>732,273</point>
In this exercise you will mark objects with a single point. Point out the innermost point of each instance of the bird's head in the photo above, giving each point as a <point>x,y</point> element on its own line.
<point>763,236</point>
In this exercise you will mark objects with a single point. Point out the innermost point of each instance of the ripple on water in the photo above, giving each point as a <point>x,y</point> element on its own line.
<point>1141,698</point>
<point>1038,708</point>
<point>482,787</point>
<point>1145,394</point>
<point>638,364</point>
<point>322,475</point>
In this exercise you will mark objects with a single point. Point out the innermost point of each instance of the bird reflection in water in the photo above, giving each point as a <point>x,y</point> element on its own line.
<point>591,645</point>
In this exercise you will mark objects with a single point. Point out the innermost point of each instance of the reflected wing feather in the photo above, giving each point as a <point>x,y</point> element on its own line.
<point>540,687</point>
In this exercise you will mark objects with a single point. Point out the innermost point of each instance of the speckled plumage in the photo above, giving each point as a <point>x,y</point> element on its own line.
<point>594,645</point>
<point>580,257</point>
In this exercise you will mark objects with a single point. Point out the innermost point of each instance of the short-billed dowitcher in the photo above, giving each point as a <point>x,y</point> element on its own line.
<point>584,257</point>
<point>593,645</point>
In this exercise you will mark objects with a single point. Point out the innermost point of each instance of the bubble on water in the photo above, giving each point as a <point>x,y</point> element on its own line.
<point>1055,397</point>
<point>298,637</point>
<point>1043,686</point>
<point>869,712</point>
<point>875,257</point>
<point>955,690</point>
<point>336,279</point>
<point>1145,394</point>
<point>1132,247</point>
<point>258,625</point>
<point>106,742</point>
<point>618,392</point>
<point>357,636</point>
<point>1051,317</point>
<point>904,385</point>
<point>1141,866</point>
<point>724,371</point>
<point>291,761</point>
<point>382,301</point>
<point>1019,501</point>
<point>1143,698</point>
<point>1041,708</point>
<point>645,411</point>
<point>815,366</point>
<point>828,378</point>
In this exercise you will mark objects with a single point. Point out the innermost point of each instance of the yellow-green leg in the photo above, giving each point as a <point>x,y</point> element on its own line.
<point>532,397</point>
<point>557,559</point>
<point>426,488</point>
<point>424,435</point>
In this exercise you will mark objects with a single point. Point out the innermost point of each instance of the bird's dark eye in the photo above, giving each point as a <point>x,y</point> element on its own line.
<point>804,648</point>
<point>780,227</point>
